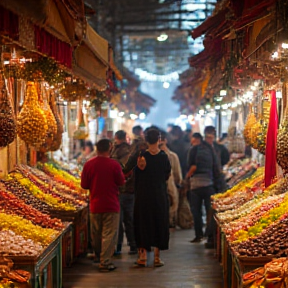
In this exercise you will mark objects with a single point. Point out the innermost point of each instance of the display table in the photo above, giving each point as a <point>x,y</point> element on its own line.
<point>79,242</point>
<point>46,269</point>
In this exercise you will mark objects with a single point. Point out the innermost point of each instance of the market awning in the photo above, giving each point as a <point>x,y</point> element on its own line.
<point>97,44</point>
<point>89,67</point>
<point>112,65</point>
<point>212,21</point>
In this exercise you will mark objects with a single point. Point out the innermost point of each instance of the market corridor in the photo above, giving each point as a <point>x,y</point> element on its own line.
<point>186,265</point>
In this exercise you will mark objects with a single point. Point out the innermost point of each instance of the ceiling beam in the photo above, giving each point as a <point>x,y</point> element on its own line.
<point>145,22</point>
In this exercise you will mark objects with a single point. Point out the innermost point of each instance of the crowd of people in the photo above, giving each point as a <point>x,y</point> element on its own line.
<point>135,188</point>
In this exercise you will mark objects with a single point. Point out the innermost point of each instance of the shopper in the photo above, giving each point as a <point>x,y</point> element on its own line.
<point>180,147</point>
<point>138,138</point>
<point>102,176</point>
<point>151,212</point>
<point>219,182</point>
<point>202,162</point>
<point>174,181</point>
<point>121,149</point>
<point>121,152</point>
<point>87,153</point>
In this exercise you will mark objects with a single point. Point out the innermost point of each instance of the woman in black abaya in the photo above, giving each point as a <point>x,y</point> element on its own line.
<point>151,210</point>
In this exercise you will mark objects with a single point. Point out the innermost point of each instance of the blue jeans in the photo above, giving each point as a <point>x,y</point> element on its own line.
<point>126,219</point>
<point>196,199</point>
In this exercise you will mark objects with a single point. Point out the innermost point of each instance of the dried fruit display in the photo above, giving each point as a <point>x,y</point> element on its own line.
<point>269,217</point>
<point>7,274</point>
<point>27,229</point>
<point>256,130</point>
<point>58,187</point>
<point>31,121</point>
<point>272,241</point>
<point>24,194</point>
<point>50,186</point>
<point>74,91</point>
<point>16,245</point>
<point>51,121</point>
<point>53,201</point>
<point>10,204</point>
<point>7,120</point>
<point>57,139</point>
<point>273,274</point>
<point>282,143</point>
<point>247,133</point>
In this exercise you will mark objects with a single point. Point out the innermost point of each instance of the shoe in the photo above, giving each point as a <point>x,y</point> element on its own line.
<point>141,263</point>
<point>133,250</point>
<point>107,268</point>
<point>209,245</point>
<point>196,240</point>
<point>158,263</point>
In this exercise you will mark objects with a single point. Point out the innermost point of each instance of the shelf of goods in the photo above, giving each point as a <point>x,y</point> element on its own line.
<point>45,201</point>
<point>252,225</point>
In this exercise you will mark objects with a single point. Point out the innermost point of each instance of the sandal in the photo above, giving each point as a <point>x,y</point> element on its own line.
<point>158,263</point>
<point>107,268</point>
<point>141,263</point>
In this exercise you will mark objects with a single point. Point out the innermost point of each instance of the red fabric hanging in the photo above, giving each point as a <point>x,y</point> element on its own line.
<point>53,47</point>
<point>271,141</point>
<point>9,23</point>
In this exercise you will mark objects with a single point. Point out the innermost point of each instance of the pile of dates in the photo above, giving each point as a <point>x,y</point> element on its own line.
<point>271,242</point>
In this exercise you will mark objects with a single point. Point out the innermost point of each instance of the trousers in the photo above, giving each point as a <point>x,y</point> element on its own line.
<point>196,199</point>
<point>104,232</point>
<point>126,219</point>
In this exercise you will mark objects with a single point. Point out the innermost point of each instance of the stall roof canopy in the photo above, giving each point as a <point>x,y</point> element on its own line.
<point>88,66</point>
<point>97,44</point>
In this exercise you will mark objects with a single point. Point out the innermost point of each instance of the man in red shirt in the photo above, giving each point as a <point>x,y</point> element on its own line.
<point>103,176</point>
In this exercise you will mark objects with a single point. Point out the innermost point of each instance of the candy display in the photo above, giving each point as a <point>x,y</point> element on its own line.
<point>248,129</point>
<point>7,120</point>
<point>31,122</point>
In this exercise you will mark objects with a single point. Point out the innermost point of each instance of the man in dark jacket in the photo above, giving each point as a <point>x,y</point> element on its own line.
<point>179,146</point>
<point>121,152</point>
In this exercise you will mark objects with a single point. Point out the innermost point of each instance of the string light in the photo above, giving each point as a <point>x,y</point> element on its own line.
<point>144,75</point>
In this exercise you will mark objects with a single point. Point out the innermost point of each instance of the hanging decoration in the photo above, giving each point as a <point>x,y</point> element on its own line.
<point>248,129</point>
<point>57,138</point>
<point>31,122</point>
<point>7,119</point>
<point>97,98</point>
<point>51,122</point>
<point>74,90</point>
<point>271,152</point>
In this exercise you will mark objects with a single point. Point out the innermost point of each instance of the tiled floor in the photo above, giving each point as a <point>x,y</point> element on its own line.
<point>186,265</point>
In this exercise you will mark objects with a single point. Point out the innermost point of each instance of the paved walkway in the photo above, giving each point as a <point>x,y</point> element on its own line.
<point>186,265</point>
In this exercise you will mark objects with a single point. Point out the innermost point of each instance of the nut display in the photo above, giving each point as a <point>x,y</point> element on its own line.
<point>31,121</point>
<point>7,120</point>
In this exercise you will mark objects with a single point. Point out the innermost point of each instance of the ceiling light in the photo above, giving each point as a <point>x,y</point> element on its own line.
<point>166,85</point>
<point>142,116</point>
<point>278,94</point>
<point>208,106</point>
<point>133,116</point>
<point>253,88</point>
<point>217,107</point>
<point>223,92</point>
<point>183,116</point>
<point>201,112</point>
<point>121,114</point>
<point>218,99</point>
<point>256,83</point>
<point>162,37</point>
<point>285,45</point>
<point>275,55</point>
